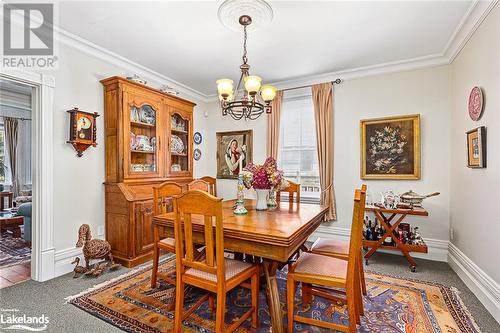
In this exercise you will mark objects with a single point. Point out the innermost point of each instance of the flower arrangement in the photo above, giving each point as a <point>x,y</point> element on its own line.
<point>263,177</point>
<point>387,149</point>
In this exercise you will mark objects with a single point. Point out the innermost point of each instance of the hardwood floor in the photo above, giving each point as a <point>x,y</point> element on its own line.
<point>14,274</point>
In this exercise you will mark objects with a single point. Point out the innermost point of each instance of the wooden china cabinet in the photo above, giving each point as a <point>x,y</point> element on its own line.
<point>148,141</point>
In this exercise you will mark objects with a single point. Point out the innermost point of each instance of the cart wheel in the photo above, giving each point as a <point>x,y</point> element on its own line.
<point>413,269</point>
<point>366,262</point>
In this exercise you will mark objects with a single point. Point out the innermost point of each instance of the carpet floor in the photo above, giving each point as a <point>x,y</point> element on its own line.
<point>33,298</point>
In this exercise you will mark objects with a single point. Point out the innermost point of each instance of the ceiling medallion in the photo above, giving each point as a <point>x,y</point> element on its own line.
<point>231,10</point>
<point>251,102</point>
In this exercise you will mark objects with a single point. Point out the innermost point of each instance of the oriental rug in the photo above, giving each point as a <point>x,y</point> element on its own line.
<point>13,251</point>
<point>393,304</point>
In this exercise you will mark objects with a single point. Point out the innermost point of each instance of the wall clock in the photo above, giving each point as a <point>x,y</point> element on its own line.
<point>475,103</point>
<point>82,130</point>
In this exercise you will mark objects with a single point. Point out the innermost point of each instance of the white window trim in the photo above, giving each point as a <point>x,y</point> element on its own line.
<point>295,96</point>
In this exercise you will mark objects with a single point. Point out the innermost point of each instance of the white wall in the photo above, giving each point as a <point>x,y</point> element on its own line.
<point>476,192</point>
<point>426,92</point>
<point>78,182</point>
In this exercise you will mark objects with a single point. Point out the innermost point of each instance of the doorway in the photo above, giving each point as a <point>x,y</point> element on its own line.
<point>16,109</point>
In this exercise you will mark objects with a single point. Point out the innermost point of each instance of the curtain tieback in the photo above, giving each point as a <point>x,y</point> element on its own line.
<point>327,188</point>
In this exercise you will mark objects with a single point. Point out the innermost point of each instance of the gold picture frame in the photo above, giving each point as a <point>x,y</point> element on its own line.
<point>390,147</point>
<point>476,148</point>
<point>227,157</point>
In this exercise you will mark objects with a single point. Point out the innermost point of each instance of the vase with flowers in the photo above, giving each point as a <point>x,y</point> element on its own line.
<point>265,180</point>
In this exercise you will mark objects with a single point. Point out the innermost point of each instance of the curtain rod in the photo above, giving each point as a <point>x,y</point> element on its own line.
<point>20,118</point>
<point>336,81</point>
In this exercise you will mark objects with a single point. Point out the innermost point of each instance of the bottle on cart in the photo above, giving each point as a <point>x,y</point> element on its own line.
<point>369,232</point>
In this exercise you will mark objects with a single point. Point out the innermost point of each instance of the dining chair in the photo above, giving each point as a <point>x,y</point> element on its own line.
<point>212,182</point>
<point>340,249</point>
<point>292,189</point>
<point>162,203</point>
<point>324,273</point>
<point>215,274</point>
<point>199,184</point>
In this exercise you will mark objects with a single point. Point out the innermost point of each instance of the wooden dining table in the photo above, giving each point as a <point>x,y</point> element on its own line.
<point>275,235</point>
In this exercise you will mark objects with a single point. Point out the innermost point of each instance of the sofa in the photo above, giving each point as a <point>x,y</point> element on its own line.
<point>24,210</point>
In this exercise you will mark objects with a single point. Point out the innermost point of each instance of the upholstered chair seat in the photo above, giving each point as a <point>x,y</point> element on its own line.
<point>331,246</point>
<point>316,264</point>
<point>232,268</point>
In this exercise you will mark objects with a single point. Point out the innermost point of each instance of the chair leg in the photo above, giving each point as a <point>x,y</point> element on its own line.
<point>179,305</point>
<point>220,311</point>
<point>362,274</point>
<point>306,293</point>
<point>290,298</point>
<point>351,308</point>
<point>255,299</point>
<point>211,303</point>
<point>156,258</point>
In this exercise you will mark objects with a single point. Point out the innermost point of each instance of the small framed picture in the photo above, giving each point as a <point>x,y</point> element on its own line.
<point>476,148</point>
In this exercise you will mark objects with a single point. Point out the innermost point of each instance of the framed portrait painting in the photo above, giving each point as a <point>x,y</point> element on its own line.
<point>231,148</point>
<point>476,148</point>
<point>390,147</point>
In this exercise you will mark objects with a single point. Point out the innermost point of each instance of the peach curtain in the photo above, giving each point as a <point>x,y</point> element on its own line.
<point>323,114</point>
<point>273,125</point>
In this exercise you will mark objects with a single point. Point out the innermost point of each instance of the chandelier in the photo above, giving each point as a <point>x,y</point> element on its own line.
<point>255,99</point>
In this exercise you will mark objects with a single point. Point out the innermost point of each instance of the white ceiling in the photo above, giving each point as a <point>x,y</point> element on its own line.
<point>184,40</point>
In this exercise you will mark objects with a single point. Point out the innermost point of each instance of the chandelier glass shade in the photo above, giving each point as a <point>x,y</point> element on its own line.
<point>254,99</point>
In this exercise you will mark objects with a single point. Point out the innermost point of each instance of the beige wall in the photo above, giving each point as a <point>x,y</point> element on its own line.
<point>475,193</point>
<point>426,92</point>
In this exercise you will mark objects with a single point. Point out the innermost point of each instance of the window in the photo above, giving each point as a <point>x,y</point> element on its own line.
<point>298,156</point>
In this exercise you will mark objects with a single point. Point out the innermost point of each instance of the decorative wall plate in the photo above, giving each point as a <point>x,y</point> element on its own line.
<point>197,138</point>
<point>475,103</point>
<point>175,168</point>
<point>197,154</point>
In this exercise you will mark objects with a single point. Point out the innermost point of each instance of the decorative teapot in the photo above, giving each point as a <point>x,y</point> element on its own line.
<point>389,199</point>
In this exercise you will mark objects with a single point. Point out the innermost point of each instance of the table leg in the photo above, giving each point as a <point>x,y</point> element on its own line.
<point>16,231</point>
<point>273,297</point>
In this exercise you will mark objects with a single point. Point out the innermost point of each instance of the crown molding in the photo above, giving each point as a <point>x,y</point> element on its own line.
<point>472,19</point>
<point>476,14</point>
<point>132,67</point>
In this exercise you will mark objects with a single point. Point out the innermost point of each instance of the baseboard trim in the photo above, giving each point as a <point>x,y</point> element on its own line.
<point>63,259</point>
<point>438,248</point>
<point>480,283</point>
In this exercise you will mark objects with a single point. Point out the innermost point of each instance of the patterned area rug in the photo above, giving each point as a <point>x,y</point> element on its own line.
<point>393,304</point>
<point>13,251</point>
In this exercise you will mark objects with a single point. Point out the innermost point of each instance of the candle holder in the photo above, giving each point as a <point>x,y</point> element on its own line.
<point>240,197</point>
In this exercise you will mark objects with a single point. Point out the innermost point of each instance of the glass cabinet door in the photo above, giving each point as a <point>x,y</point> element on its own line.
<point>143,157</point>
<point>180,145</point>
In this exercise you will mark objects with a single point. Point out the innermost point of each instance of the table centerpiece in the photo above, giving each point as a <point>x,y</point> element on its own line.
<point>265,180</point>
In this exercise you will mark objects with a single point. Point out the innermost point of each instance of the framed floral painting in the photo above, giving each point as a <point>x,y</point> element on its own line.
<point>390,147</point>
<point>476,148</point>
<point>234,150</point>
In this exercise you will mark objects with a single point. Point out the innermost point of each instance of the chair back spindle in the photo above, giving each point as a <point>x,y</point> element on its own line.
<point>199,184</point>
<point>199,203</point>
<point>356,233</point>
<point>162,197</point>
<point>292,189</point>
<point>212,182</point>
